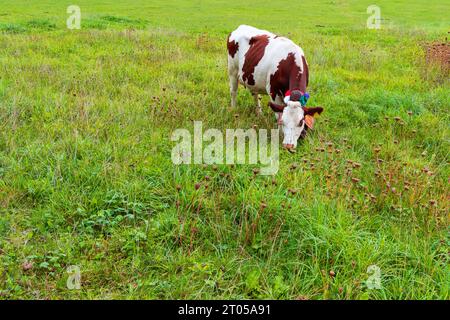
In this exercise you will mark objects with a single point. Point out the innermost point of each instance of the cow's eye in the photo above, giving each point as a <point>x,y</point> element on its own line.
<point>300,123</point>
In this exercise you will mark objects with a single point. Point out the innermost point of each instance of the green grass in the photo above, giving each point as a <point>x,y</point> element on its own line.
<point>86,176</point>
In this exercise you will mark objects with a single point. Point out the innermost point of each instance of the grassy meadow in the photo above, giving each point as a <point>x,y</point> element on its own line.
<point>86,177</point>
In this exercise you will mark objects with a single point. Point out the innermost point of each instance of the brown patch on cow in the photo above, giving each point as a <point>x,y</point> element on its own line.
<point>232,46</point>
<point>253,56</point>
<point>311,111</point>
<point>276,107</point>
<point>439,53</point>
<point>287,77</point>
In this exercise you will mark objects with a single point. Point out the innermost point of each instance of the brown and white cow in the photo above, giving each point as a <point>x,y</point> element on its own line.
<point>268,64</point>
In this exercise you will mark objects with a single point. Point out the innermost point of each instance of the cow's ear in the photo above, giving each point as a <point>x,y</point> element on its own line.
<point>276,107</point>
<point>312,111</point>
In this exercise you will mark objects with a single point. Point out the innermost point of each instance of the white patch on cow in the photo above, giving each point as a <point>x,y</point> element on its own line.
<point>292,123</point>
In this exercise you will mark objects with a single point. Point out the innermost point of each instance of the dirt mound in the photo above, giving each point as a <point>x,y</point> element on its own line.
<point>439,53</point>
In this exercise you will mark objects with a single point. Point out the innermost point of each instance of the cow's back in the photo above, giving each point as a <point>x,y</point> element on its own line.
<point>255,55</point>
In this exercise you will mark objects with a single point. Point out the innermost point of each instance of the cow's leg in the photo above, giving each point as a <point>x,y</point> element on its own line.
<point>233,89</point>
<point>279,101</point>
<point>233,76</point>
<point>257,99</point>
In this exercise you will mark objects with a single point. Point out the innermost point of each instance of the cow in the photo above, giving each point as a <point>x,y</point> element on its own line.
<point>269,64</point>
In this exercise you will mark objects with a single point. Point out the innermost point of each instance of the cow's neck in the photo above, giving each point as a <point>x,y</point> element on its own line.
<point>297,79</point>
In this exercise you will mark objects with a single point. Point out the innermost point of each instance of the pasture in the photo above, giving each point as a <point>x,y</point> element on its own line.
<point>87,180</point>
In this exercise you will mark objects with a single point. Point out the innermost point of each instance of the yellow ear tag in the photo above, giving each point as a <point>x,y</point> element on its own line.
<point>309,120</point>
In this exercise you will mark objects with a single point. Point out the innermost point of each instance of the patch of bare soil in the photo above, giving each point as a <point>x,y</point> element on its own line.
<point>439,53</point>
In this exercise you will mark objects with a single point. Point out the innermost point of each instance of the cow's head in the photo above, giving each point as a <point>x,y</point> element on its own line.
<point>291,118</point>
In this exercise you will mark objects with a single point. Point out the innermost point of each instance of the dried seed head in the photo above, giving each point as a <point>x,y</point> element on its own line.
<point>332,273</point>
<point>178,187</point>
<point>197,186</point>
<point>27,265</point>
<point>355,180</point>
